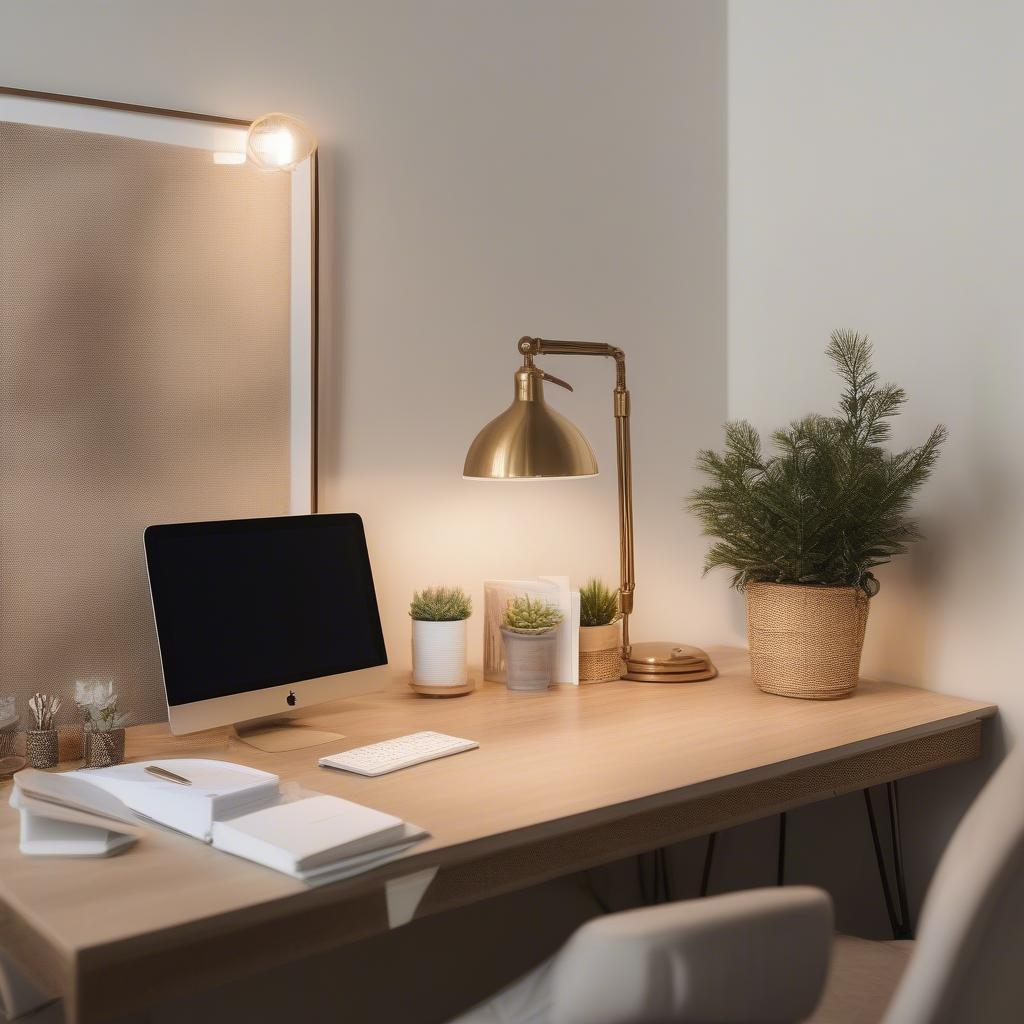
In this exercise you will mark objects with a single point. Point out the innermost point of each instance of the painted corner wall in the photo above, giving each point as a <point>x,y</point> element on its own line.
<point>488,170</point>
<point>875,182</point>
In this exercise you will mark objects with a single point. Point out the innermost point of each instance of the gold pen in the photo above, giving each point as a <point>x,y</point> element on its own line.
<point>163,773</point>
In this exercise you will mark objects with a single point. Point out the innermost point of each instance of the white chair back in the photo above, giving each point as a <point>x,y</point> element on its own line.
<point>966,965</point>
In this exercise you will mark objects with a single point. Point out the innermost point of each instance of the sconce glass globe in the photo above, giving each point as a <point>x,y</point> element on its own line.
<point>279,142</point>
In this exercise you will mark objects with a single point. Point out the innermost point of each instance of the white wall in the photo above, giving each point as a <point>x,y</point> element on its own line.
<point>876,162</point>
<point>490,169</point>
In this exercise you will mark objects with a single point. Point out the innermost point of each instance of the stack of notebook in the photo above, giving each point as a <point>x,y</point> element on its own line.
<point>240,810</point>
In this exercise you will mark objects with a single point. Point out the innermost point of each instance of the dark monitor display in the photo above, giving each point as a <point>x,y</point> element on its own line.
<point>247,604</point>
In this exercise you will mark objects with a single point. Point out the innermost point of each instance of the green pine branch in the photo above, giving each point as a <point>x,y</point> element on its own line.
<point>829,504</point>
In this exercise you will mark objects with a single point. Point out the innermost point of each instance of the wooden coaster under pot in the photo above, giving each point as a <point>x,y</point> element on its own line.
<point>428,690</point>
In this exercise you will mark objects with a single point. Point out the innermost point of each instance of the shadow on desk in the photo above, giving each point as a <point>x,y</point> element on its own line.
<point>425,973</point>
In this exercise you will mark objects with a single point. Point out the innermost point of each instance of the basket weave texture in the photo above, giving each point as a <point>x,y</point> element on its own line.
<point>600,666</point>
<point>600,653</point>
<point>103,748</point>
<point>805,641</point>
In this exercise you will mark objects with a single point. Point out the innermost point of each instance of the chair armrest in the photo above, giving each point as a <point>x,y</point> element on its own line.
<point>754,957</point>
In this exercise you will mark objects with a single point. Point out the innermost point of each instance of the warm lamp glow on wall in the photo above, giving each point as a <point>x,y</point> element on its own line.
<point>531,441</point>
<point>279,142</point>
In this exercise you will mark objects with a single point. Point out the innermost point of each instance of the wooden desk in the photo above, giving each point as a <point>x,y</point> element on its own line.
<point>562,781</point>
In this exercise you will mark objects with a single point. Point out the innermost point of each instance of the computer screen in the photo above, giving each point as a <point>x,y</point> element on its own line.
<point>247,604</point>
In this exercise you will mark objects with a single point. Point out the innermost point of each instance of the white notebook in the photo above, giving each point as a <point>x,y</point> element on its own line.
<point>219,790</point>
<point>318,832</point>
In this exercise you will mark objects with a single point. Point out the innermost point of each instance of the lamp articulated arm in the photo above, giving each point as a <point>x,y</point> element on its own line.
<point>530,347</point>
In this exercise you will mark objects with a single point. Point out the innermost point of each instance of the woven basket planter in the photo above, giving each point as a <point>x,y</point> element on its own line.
<point>103,748</point>
<point>805,641</point>
<point>41,747</point>
<point>600,653</point>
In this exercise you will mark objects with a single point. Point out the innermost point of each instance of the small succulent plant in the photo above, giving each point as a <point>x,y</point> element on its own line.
<point>599,606</point>
<point>440,604</point>
<point>530,615</point>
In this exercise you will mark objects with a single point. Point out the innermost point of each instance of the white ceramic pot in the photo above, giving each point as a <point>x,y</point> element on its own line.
<point>439,653</point>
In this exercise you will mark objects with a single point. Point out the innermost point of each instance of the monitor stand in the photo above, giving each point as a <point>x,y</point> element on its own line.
<point>276,735</point>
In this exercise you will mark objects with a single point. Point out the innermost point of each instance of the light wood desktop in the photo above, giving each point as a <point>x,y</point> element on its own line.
<point>562,781</point>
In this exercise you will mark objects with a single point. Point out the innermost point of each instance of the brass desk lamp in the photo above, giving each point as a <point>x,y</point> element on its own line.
<point>530,441</point>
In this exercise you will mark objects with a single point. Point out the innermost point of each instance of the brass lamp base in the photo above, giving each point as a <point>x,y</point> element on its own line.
<point>662,662</point>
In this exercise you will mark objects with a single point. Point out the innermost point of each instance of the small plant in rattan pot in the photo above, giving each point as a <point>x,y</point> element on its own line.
<point>803,528</point>
<point>439,617</point>
<point>103,722</point>
<point>600,641</point>
<point>528,631</point>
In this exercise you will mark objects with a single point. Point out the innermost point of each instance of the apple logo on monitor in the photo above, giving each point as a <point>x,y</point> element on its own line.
<point>291,698</point>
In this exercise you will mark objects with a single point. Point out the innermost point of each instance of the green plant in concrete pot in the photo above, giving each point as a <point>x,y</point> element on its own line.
<point>803,528</point>
<point>528,630</point>
<point>600,642</point>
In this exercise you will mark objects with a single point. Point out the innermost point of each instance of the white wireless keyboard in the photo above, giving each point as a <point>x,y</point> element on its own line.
<point>403,752</point>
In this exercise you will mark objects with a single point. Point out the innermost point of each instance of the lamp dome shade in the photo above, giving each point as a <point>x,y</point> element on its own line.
<point>529,440</point>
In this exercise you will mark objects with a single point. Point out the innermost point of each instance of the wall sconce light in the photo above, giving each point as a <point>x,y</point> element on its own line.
<point>279,142</point>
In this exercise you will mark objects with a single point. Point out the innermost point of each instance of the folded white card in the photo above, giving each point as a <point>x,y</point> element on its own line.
<point>50,829</point>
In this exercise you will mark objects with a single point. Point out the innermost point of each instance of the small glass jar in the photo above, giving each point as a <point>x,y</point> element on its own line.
<point>8,725</point>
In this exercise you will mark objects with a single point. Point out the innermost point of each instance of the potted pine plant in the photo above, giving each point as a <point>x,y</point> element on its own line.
<point>803,528</point>
<point>600,643</point>
<point>528,631</point>
<point>439,617</point>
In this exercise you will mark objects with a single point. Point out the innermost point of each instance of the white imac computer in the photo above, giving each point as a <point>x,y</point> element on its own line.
<point>260,619</point>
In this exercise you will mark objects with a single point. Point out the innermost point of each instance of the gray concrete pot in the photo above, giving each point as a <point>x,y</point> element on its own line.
<point>529,659</point>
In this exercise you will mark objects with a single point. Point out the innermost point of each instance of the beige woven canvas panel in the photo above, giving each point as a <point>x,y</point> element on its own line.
<point>144,378</point>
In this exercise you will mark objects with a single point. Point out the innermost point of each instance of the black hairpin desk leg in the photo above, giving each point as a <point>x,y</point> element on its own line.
<point>780,864</point>
<point>780,870</point>
<point>705,877</point>
<point>896,907</point>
